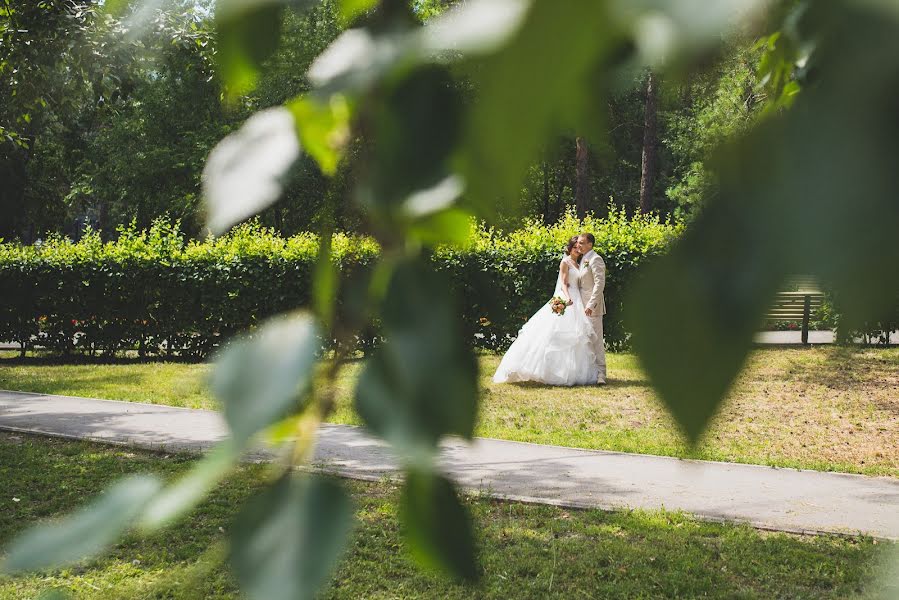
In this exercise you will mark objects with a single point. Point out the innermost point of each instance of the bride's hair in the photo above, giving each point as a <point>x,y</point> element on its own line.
<point>570,246</point>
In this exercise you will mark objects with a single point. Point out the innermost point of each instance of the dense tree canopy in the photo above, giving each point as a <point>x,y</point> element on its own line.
<point>124,136</point>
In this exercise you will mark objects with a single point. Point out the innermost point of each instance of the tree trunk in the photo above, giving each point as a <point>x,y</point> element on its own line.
<point>582,181</point>
<point>650,135</point>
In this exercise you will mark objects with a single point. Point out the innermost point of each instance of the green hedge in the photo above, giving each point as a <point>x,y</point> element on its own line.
<point>153,291</point>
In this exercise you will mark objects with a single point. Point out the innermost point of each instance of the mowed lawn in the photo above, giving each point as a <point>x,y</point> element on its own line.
<point>525,551</point>
<point>826,408</point>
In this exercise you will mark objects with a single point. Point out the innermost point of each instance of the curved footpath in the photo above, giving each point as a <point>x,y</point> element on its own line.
<point>765,497</point>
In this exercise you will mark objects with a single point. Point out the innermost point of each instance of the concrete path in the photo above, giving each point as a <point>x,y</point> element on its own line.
<point>780,499</point>
<point>793,337</point>
<point>789,338</point>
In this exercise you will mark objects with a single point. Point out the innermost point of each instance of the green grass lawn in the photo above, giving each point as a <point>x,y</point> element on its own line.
<point>825,408</point>
<point>526,551</point>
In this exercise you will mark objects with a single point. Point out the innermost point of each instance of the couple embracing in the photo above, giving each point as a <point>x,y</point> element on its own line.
<point>562,343</point>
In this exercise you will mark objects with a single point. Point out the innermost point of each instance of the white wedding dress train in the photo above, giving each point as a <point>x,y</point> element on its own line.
<point>553,349</point>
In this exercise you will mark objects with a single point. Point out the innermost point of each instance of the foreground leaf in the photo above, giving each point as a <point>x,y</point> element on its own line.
<point>504,133</point>
<point>356,60</point>
<point>323,128</point>
<point>83,533</point>
<point>694,314</point>
<point>244,171</point>
<point>183,495</point>
<point>260,380</point>
<point>668,33</point>
<point>421,383</point>
<point>474,26</point>
<point>248,33</point>
<point>888,577</point>
<point>287,539</point>
<point>437,525</point>
<point>449,226</point>
<point>325,281</point>
<point>417,129</point>
<point>350,9</point>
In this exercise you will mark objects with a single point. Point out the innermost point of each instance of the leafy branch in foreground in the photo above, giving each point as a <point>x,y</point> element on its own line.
<point>430,161</point>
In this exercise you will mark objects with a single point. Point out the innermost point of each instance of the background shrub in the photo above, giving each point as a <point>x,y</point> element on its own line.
<point>152,291</point>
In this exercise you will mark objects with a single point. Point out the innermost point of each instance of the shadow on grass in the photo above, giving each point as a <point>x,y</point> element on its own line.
<point>11,358</point>
<point>852,367</point>
<point>612,383</point>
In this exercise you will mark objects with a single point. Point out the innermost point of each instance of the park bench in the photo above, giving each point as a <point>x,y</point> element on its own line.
<point>799,300</point>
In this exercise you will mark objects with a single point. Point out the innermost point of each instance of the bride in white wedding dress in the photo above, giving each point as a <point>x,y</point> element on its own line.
<point>552,348</point>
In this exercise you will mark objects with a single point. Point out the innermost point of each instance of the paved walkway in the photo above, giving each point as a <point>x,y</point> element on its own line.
<point>780,499</point>
<point>793,337</point>
<point>790,338</point>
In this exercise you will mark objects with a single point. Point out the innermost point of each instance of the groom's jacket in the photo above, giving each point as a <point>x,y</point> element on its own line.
<point>593,282</point>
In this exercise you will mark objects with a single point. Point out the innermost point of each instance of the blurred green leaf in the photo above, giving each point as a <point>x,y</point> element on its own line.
<point>287,539</point>
<point>887,584</point>
<point>416,130</point>
<point>671,34</point>
<point>349,9</point>
<point>248,33</point>
<point>283,430</point>
<point>116,7</point>
<point>356,60</point>
<point>183,495</point>
<point>528,90</point>
<point>432,219</point>
<point>437,525</point>
<point>473,27</point>
<point>434,199</point>
<point>451,226</point>
<point>325,281</point>
<point>830,161</point>
<point>695,311</point>
<point>323,128</point>
<point>261,379</point>
<point>421,383</point>
<point>83,533</point>
<point>244,171</point>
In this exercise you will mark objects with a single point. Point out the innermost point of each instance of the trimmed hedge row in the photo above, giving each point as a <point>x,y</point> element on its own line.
<point>152,291</point>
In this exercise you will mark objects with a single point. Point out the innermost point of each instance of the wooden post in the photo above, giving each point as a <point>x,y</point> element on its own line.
<point>806,313</point>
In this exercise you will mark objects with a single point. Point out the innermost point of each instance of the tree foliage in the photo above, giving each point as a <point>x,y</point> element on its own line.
<point>125,135</point>
<point>133,145</point>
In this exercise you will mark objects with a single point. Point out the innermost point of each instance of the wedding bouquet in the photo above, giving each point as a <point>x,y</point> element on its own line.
<point>558,305</point>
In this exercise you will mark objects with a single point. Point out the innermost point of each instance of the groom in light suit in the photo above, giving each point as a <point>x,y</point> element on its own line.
<point>592,285</point>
